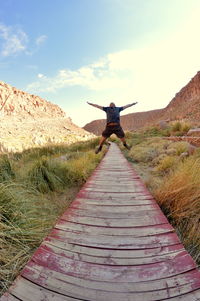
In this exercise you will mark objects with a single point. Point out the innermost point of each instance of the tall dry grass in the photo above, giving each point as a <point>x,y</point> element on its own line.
<point>179,198</point>
<point>36,186</point>
<point>173,180</point>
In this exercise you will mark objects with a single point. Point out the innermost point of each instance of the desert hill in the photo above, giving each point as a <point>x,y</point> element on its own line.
<point>28,121</point>
<point>129,122</point>
<point>185,105</point>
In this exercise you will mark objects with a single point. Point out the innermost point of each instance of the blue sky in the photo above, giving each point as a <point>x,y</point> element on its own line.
<point>73,51</point>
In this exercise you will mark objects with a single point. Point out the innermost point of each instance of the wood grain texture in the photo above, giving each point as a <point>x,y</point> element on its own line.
<point>113,243</point>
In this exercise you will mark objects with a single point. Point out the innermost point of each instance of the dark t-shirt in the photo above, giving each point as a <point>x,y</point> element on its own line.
<point>113,114</point>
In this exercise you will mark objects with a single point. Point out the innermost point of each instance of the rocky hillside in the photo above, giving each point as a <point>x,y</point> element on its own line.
<point>14,102</point>
<point>30,121</point>
<point>185,105</point>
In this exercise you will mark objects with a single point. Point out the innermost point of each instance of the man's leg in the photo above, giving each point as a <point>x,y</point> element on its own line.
<point>124,143</point>
<point>121,135</point>
<point>101,142</point>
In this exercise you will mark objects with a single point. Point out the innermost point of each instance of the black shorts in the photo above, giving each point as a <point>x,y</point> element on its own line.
<point>113,129</point>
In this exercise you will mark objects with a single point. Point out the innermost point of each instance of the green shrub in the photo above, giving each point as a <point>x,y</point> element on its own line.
<point>166,164</point>
<point>141,154</point>
<point>176,126</point>
<point>179,146</point>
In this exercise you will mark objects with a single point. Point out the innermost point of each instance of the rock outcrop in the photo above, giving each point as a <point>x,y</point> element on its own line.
<point>29,121</point>
<point>185,105</point>
<point>14,102</point>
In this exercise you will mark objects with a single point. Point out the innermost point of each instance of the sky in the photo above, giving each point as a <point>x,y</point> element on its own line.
<point>73,51</point>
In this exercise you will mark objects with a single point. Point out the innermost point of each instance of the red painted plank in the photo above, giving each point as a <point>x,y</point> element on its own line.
<point>131,253</point>
<point>132,231</point>
<point>112,258</point>
<point>182,263</point>
<point>115,242</point>
<point>57,283</point>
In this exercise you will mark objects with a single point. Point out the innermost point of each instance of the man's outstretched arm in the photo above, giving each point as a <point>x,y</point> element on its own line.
<point>129,105</point>
<point>94,105</point>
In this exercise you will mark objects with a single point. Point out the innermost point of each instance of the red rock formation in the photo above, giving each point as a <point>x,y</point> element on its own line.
<point>24,105</point>
<point>29,121</point>
<point>185,105</point>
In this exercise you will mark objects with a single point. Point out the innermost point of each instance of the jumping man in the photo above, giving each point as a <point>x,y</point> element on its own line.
<point>113,123</point>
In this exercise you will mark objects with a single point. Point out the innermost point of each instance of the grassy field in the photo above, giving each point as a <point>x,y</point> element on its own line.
<point>173,179</point>
<point>36,186</point>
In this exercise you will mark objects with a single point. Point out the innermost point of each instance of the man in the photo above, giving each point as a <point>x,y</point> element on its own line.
<point>113,123</point>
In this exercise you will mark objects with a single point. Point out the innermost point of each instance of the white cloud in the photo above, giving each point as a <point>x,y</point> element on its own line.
<point>40,40</point>
<point>14,40</point>
<point>152,74</point>
<point>40,75</point>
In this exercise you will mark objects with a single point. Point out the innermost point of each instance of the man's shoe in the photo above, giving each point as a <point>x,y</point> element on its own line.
<point>98,149</point>
<point>127,146</point>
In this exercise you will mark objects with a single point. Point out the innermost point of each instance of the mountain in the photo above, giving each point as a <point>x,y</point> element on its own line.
<point>185,105</point>
<point>29,121</point>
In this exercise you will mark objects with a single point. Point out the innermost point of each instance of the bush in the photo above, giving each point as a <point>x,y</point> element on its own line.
<point>141,154</point>
<point>176,126</point>
<point>180,128</point>
<point>166,164</point>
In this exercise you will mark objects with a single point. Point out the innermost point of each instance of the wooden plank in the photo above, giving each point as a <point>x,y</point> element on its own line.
<point>131,189</point>
<point>113,208</point>
<point>112,259</point>
<point>115,242</point>
<point>57,283</point>
<point>100,213</point>
<point>182,263</point>
<point>191,277</point>
<point>115,222</point>
<point>132,231</point>
<point>28,291</point>
<point>192,296</point>
<point>116,201</point>
<point>122,253</point>
<point>114,196</point>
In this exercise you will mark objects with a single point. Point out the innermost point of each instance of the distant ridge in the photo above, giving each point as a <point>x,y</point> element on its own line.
<point>185,105</point>
<point>129,122</point>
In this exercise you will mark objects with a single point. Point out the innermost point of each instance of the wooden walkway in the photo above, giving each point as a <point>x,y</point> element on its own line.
<point>112,244</point>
